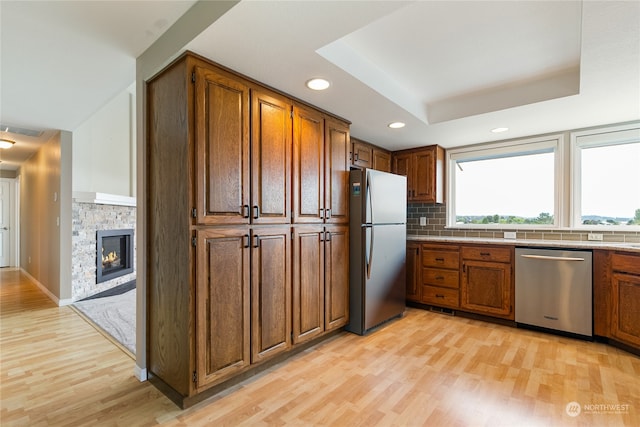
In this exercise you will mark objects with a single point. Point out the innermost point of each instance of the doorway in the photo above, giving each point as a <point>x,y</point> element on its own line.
<point>8,223</point>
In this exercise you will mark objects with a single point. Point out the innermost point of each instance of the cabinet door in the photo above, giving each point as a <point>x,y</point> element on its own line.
<point>308,166</point>
<point>362,155</point>
<point>270,158</point>
<point>336,276</point>
<point>486,288</point>
<point>270,292</point>
<point>413,272</point>
<point>336,189</point>
<point>402,165</point>
<point>308,282</point>
<point>222,303</point>
<point>625,322</point>
<point>381,160</point>
<point>424,176</point>
<point>221,149</point>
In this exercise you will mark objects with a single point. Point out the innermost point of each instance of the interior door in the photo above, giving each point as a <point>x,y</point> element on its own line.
<point>5,222</point>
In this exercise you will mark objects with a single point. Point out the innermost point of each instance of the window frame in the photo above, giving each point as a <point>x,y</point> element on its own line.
<point>505,149</point>
<point>593,138</point>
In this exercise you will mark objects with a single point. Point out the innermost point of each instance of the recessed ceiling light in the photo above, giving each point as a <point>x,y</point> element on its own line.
<point>318,84</point>
<point>6,143</point>
<point>498,130</point>
<point>396,125</point>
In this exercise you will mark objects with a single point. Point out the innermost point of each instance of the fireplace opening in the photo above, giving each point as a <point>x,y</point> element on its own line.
<point>114,254</point>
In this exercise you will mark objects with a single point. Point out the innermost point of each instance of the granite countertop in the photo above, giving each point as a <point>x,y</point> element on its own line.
<point>630,247</point>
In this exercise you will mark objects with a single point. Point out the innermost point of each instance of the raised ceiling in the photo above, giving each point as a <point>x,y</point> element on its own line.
<point>451,70</point>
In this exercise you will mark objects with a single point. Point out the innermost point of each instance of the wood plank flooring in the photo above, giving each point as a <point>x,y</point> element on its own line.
<point>426,369</point>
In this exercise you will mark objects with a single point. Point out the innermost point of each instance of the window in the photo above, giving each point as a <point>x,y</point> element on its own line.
<point>505,185</point>
<point>606,178</point>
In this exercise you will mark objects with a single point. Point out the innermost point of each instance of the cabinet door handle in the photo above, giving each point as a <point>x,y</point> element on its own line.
<point>245,211</point>
<point>257,241</point>
<point>356,157</point>
<point>464,268</point>
<point>327,236</point>
<point>321,213</point>
<point>256,212</point>
<point>417,251</point>
<point>328,213</point>
<point>247,242</point>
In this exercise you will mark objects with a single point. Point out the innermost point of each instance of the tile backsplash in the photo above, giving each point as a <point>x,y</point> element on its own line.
<point>437,219</point>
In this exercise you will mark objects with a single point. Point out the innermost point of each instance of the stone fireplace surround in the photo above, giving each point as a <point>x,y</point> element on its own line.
<point>92,212</point>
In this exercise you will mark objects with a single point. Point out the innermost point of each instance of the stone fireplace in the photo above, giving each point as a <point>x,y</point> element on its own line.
<point>110,221</point>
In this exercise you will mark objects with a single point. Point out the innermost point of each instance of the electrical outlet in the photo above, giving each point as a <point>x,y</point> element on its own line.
<point>423,221</point>
<point>595,236</point>
<point>509,234</point>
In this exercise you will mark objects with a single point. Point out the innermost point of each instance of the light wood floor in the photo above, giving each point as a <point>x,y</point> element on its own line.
<point>426,369</point>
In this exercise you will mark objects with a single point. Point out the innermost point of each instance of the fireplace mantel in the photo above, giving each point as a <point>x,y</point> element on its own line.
<point>103,198</point>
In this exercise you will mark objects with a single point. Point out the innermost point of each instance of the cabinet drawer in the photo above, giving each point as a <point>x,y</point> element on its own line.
<point>625,263</point>
<point>440,259</point>
<point>484,253</point>
<point>440,296</point>
<point>440,277</point>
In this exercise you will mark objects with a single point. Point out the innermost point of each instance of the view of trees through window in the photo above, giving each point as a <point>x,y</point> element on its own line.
<point>610,185</point>
<point>512,189</point>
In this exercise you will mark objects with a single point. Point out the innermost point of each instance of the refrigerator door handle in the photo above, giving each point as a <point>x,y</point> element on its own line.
<point>368,256</point>
<point>369,207</point>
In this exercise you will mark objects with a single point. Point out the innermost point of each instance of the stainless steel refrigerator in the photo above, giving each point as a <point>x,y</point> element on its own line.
<point>378,238</point>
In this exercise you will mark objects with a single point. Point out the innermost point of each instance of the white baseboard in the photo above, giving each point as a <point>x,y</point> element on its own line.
<point>46,291</point>
<point>140,373</point>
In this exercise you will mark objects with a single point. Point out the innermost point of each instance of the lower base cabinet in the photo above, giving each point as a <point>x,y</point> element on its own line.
<point>486,285</point>
<point>243,299</point>
<point>616,292</point>
<point>414,266</point>
<point>320,280</point>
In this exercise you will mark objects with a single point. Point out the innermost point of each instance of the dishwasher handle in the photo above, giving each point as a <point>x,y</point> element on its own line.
<point>552,258</point>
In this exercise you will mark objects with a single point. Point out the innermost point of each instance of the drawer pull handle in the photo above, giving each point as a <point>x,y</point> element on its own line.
<point>439,277</point>
<point>440,259</point>
<point>485,253</point>
<point>439,296</point>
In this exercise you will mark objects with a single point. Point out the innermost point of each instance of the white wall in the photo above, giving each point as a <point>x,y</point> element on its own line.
<point>45,217</point>
<point>104,156</point>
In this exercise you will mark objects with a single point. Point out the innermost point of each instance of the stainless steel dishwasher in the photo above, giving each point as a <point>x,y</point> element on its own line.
<point>554,289</point>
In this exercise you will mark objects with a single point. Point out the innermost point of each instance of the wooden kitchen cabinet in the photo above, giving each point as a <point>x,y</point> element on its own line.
<point>220,227</point>
<point>414,267</point>
<point>320,280</point>
<point>336,176</point>
<point>486,285</point>
<point>424,169</point>
<point>222,147</point>
<point>440,275</point>
<point>362,154</point>
<point>270,292</point>
<point>625,298</point>
<point>222,306</point>
<point>366,155</point>
<point>381,160</point>
<point>320,168</point>
<point>271,148</point>
<point>336,275</point>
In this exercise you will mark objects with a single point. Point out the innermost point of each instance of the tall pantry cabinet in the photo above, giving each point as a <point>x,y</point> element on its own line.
<point>247,235</point>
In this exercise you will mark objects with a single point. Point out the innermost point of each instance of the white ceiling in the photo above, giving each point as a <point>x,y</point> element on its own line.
<point>451,70</point>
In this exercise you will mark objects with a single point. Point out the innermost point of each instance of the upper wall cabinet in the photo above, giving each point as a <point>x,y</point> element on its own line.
<point>222,148</point>
<point>320,167</point>
<point>424,169</point>
<point>366,155</point>
<point>224,155</point>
